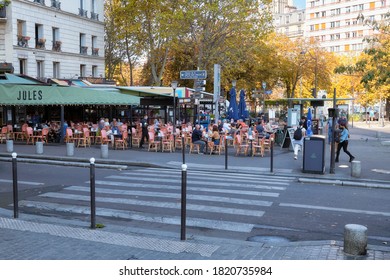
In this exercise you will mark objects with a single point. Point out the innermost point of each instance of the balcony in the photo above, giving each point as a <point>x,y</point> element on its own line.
<point>83,50</point>
<point>94,16</point>
<point>95,51</point>
<point>23,41</point>
<point>56,4</point>
<point>57,46</point>
<point>83,13</point>
<point>42,2</point>
<point>41,43</point>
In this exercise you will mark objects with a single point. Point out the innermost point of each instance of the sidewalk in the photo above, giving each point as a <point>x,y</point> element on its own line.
<point>35,237</point>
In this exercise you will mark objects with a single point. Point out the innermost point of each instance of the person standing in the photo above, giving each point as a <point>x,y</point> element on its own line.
<point>145,134</point>
<point>297,140</point>
<point>344,135</point>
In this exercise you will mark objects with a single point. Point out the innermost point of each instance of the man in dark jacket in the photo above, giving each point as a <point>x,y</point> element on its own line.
<point>196,138</point>
<point>145,134</point>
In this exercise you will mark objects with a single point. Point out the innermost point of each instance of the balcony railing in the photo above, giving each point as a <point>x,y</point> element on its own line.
<point>41,43</point>
<point>83,50</point>
<point>23,41</point>
<point>94,16</point>
<point>56,4</point>
<point>95,51</point>
<point>57,46</point>
<point>83,13</point>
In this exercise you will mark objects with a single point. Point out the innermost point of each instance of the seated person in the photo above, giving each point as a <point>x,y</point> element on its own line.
<point>196,138</point>
<point>215,135</point>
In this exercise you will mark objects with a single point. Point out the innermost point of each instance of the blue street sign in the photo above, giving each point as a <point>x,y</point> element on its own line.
<point>268,92</point>
<point>193,74</point>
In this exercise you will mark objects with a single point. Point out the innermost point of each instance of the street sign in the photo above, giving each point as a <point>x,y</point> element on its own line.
<point>193,74</point>
<point>264,84</point>
<point>199,89</point>
<point>197,95</point>
<point>257,95</point>
<point>268,92</point>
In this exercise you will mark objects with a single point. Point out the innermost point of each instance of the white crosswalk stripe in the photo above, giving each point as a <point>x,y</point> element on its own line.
<point>227,202</point>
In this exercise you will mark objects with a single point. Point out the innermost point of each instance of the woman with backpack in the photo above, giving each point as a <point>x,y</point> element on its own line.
<point>297,140</point>
<point>344,135</point>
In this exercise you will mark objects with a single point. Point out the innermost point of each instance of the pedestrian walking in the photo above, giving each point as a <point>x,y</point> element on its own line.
<point>145,134</point>
<point>344,135</point>
<point>297,140</point>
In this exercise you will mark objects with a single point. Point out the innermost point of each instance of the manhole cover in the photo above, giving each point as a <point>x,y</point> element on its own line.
<point>268,239</point>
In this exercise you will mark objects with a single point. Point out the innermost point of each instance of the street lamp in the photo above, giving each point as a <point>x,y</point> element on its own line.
<point>174,87</point>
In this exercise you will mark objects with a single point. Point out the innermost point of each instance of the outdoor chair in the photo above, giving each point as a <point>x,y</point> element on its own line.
<point>153,144</point>
<point>29,135</point>
<point>193,146</point>
<point>85,139</point>
<point>241,146</point>
<point>121,142</point>
<point>168,144</point>
<point>3,134</point>
<point>218,148</point>
<point>43,137</point>
<point>135,138</point>
<point>21,135</point>
<point>10,132</point>
<point>258,148</point>
<point>104,137</point>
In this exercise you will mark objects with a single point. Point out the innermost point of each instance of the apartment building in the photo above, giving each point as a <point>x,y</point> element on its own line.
<point>53,39</point>
<point>338,25</point>
<point>288,20</point>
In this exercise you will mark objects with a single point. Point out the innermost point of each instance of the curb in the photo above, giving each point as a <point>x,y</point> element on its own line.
<point>351,183</point>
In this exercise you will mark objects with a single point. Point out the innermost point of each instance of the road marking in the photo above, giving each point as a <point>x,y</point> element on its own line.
<point>387,214</point>
<point>205,178</point>
<point>211,188</point>
<point>171,205</point>
<point>22,182</point>
<point>170,195</point>
<point>172,220</point>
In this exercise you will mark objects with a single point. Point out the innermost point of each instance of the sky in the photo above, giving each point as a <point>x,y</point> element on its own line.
<point>300,4</point>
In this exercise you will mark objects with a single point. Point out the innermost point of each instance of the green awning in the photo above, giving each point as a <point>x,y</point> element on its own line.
<point>25,95</point>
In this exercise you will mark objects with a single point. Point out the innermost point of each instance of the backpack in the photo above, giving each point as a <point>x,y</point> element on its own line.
<point>298,133</point>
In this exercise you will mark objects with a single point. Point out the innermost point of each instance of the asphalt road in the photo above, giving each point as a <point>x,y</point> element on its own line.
<point>243,207</point>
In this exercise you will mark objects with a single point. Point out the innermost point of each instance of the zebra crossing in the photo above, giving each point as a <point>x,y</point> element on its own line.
<point>151,197</point>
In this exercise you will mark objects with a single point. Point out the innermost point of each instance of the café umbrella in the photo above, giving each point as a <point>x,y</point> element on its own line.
<point>233,110</point>
<point>242,110</point>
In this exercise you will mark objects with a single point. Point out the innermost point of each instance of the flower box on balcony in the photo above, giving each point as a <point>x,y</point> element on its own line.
<point>95,51</point>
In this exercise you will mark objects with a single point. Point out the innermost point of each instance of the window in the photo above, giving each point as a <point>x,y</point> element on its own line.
<point>346,48</point>
<point>94,71</point>
<point>312,15</point>
<point>337,48</point>
<point>354,34</point>
<point>348,9</point>
<point>82,70</point>
<point>331,49</point>
<point>40,69</point>
<point>347,22</point>
<point>332,37</point>
<point>337,36</point>
<point>56,69</point>
<point>83,45</point>
<point>311,27</point>
<point>95,50</point>
<point>383,3</point>
<point>23,66</point>
<point>337,23</point>
<point>360,33</point>
<point>323,13</point>
<point>338,11</point>
<point>317,27</point>
<point>354,8</point>
<point>323,38</point>
<point>361,7</point>
<point>372,5</point>
<point>56,39</point>
<point>287,19</point>
<point>323,25</point>
<point>312,4</point>
<point>317,14</point>
<point>299,17</point>
<point>332,24</point>
<point>40,41</point>
<point>347,35</point>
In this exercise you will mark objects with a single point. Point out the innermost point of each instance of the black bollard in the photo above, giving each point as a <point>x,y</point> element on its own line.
<point>92,191</point>
<point>183,201</point>
<point>272,155</point>
<point>226,153</point>
<point>15,185</point>
<point>183,148</point>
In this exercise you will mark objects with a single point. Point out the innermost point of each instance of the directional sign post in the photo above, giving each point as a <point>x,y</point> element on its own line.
<point>193,74</point>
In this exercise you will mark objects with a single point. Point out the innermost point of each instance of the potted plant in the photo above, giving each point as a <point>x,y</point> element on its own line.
<point>4,3</point>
